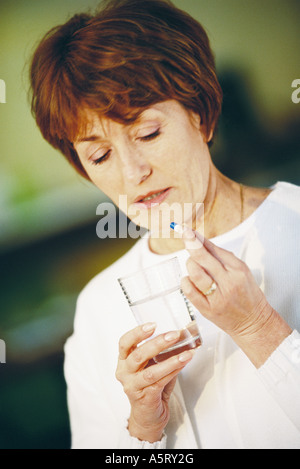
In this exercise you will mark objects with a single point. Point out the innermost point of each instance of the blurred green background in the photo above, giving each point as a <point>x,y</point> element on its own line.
<point>48,244</point>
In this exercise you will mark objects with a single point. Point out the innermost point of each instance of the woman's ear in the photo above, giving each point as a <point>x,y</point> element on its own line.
<point>197,122</point>
<point>211,134</point>
<point>207,133</point>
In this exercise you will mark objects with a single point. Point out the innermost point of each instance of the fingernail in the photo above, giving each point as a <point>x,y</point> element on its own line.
<point>186,356</point>
<point>188,234</point>
<point>192,239</point>
<point>149,326</point>
<point>172,336</point>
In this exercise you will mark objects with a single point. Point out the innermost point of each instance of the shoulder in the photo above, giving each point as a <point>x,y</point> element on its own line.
<point>287,196</point>
<point>280,211</point>
<point>278,218</point>
<point>283,216</point>
<point>271,250</point>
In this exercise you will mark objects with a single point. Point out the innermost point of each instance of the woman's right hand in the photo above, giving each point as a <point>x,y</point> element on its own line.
<point>148,385</point>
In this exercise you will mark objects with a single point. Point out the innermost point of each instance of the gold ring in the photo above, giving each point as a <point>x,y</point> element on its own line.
<point>212,288</point>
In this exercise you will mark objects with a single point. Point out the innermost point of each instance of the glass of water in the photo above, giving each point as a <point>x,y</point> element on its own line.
<point>154,295</point>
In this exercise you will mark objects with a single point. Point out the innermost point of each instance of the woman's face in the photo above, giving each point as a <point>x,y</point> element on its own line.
<point>159,160</point>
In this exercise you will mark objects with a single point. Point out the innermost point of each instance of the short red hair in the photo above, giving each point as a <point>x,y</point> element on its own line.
<point>130,55</point>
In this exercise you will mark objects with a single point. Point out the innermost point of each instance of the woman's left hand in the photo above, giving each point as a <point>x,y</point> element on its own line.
<point>223,289</point>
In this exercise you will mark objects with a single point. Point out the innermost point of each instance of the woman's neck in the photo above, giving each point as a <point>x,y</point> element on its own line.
<point>225,207</point>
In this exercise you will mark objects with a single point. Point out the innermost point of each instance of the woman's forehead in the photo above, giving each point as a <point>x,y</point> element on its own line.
<point>92,122</point>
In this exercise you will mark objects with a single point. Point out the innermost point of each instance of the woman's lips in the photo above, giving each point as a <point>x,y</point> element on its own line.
<point>153,198</point>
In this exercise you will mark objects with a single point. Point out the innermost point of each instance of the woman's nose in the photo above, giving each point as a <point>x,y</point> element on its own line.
<point>135,168</point>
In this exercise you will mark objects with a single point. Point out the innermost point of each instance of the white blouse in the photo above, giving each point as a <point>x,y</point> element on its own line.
<point>220,401</point>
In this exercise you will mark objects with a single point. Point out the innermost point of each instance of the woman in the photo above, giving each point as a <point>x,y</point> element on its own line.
<point>130,96</point>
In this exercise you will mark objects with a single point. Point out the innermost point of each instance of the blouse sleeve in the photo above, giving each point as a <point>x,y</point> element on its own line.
<point>281,375</point>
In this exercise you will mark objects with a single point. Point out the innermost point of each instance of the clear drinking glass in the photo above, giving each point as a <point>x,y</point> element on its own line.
<point>154,295</point>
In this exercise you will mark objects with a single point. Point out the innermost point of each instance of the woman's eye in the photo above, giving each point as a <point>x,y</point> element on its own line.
<point>151,136</point>
<point>102,158</point>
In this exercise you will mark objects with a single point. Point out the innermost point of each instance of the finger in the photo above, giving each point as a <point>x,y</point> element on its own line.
<point>212,264</point>
<point>141,355</point>
<point>196,297</point>
<point>199,276</point>
<point>129,341</point>
<point>168,388</point>
<point>162,373</point>
<point>195,244</point>
<point>193,240</point>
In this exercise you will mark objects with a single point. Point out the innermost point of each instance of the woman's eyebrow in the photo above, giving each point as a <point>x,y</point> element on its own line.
<point>140,119</point>
<point>90,138</point>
